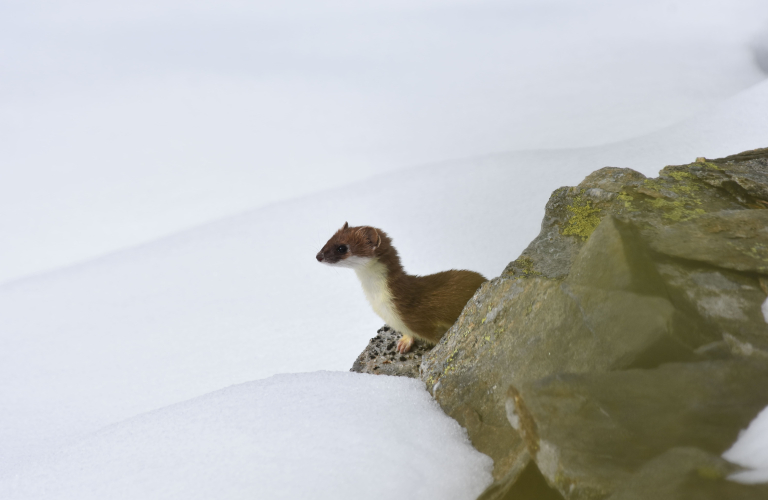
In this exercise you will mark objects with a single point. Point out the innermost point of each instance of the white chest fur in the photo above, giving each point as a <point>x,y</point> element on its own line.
<point>373,277</point>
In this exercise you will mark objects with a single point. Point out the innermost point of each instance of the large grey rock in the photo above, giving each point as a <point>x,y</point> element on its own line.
<point>515,330</point>
<point>627,274</point>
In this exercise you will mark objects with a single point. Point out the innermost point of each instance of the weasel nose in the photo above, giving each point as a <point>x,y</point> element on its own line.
<point>319,256</point>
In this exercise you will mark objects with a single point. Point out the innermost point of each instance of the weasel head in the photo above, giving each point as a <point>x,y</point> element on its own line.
<point>352,246</point>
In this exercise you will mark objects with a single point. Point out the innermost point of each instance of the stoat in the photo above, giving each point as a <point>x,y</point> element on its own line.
<point>417,306</point>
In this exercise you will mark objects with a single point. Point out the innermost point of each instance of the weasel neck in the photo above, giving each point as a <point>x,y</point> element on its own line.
<point>374,276</point>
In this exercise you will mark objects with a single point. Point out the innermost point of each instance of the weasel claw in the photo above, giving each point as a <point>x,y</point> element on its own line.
<point>404,344</point>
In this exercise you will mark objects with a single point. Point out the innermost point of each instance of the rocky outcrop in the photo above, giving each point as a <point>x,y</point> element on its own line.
<point>626,346</point>
<point>620,355</point>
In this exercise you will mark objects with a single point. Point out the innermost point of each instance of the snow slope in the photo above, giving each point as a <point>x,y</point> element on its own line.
<point>316,435</point>
<point>244,299</point>
<point>125,122</point>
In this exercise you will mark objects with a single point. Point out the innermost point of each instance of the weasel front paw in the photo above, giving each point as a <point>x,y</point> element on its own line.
<point>404,344</point>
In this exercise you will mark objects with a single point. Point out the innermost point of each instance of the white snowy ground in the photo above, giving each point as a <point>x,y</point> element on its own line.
<point>289,436</point>
<point>104,364</point>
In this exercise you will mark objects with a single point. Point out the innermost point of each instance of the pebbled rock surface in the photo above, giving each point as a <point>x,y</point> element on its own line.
<point>624,350</point>
<point>380,357</point>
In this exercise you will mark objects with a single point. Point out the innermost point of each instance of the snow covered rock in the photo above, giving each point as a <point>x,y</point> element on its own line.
<point>654,288</point>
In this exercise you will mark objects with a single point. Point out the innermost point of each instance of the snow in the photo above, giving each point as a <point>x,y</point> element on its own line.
<point>751,451</point>
<point>751,448</point>
<point>170,184</point>
<point>314,435</point>
<point>765,310</point>
<point>139,119</point>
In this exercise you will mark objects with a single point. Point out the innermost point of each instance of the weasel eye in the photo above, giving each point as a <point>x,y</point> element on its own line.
<point>341,249</point>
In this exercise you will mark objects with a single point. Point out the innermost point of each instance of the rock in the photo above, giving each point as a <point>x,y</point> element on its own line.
<point>686,474</point>
<point>744,176</point>
<point>516,330</point>
<point>731,239</point>
<point>592,432</point>
<point>530,485</point>
<point>725,303</point>
<point>679,193</point>
<point>629,276</point>
<point>381,358</point>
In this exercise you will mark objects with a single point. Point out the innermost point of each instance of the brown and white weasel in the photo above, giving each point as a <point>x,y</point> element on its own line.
<point>416,306</point>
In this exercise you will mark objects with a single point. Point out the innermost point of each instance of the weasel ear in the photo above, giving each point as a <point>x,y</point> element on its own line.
<point>370,234</point>
<point>373,237</point>
<point>346,225</point>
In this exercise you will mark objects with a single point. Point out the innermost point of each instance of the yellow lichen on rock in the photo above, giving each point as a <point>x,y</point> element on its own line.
<point>584,219</point>
<point>676,210</point>
<point>627,199</point>
<point>679,176</point>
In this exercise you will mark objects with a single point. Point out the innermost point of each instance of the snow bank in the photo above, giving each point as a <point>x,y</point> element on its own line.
<point>315,435</point>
